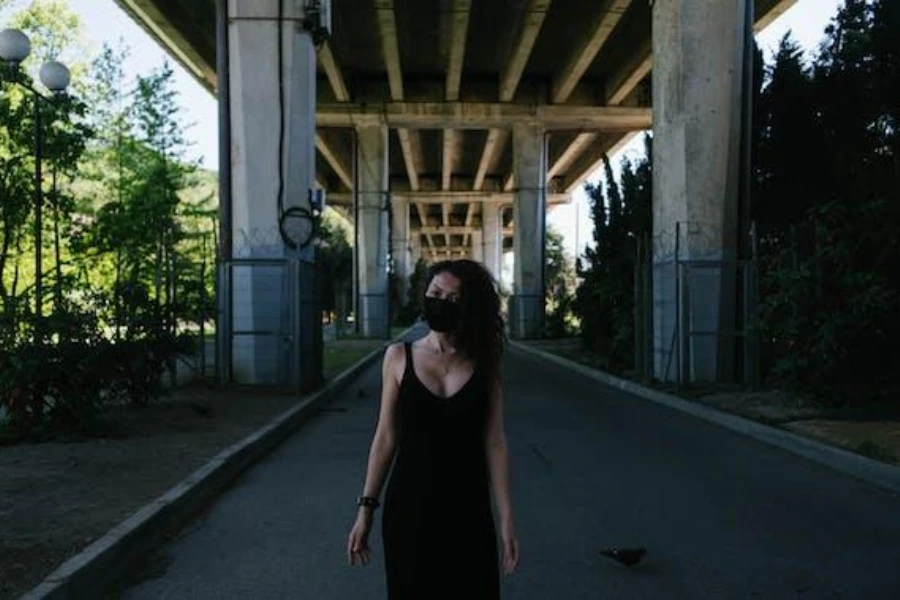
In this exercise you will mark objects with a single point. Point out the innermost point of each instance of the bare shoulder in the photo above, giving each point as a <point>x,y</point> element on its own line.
<point>394,352</point>
<point>395,359</point>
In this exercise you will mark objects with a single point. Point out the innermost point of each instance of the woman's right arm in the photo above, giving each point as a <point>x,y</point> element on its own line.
<point>381,453</point>
<point>384,443</point>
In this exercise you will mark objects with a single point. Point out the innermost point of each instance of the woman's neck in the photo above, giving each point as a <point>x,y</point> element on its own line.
<point>440,343</point>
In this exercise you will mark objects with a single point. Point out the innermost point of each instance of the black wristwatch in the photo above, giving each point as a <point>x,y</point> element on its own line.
<point>368,502</point>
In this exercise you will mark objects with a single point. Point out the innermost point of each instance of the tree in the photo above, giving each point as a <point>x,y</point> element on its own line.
<point>785,183</point>
<point>605,299</point>
<point>559,275</point>
<point>334,262</point>
<point>55,33</point>
<point>828,306</point>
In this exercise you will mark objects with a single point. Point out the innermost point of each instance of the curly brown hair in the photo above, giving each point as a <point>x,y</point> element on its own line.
<point>480,334</point>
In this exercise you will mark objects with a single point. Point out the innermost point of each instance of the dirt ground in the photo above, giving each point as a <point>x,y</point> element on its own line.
<point>58,497</point>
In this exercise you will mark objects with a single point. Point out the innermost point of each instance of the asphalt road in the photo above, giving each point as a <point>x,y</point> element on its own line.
<point>722,516</point>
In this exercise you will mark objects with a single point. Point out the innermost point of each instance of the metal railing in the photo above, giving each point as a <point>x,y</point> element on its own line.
<point>294,357</point>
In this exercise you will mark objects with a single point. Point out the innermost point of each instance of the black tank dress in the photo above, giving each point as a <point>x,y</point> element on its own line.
<point>437,526</point>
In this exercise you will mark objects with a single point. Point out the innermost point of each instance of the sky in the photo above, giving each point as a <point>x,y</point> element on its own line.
<point>105,22</point>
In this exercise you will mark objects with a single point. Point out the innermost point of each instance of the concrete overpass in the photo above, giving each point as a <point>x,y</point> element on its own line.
<point>451,126</point>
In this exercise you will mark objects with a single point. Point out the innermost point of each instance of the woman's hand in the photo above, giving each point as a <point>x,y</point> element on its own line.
<point>510,547</point>
<point>358,552</point>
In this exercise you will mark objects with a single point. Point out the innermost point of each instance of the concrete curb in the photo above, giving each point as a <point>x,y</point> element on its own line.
<point>105,562</point>
<point>866,469</point>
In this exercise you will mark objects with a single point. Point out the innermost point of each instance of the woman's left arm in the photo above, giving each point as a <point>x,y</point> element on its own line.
<point>498,465</point>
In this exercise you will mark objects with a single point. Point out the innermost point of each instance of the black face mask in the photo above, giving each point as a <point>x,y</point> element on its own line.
<point>441,315</point>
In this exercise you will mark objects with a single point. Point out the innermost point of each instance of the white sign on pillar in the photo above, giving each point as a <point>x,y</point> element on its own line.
<point>529,163</point>
<point>272,125</point>
<point>372,228</point>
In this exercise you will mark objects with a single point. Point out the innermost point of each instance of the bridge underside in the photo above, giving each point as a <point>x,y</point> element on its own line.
<point>450,127</point>
<point>450,78</point>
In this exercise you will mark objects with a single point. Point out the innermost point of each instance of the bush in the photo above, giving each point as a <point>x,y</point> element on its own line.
<point>64,387</point>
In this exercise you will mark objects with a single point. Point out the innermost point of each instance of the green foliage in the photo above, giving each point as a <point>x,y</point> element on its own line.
<point>129,236</point>
<point>334,261</point>
<point>831,220</point>
<point>605,299</point>
<point>559,275</point>
<point>411,309</point>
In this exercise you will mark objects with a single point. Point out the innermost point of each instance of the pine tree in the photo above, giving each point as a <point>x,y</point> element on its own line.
<point>605,299</point>
<point>785,183</point>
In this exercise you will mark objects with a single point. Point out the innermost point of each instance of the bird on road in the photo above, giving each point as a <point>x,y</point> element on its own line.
<point>627,556</point>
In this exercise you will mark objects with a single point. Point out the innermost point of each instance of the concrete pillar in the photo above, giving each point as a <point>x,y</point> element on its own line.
<point>400,251</point>
<point>274,333</point>
<point>477,251</point>
<point>492,240</point>
<point>529,166</point>
<point>697,82</point>
<point>415,251</point>
<point>372,229</point>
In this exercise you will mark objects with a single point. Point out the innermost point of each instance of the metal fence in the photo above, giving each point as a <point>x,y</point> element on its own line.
<point>269,325</point>
<point>526,316</point>
<point>695,319</point>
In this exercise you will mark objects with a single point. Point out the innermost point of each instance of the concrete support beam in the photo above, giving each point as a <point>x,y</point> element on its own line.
<point>470,215</point>
<point>581,142</point>
<point>493,148</point>
<point>445,220</point>
<point>178,29</point>
<point>423,198</point>
<point>532,21</point>
<point>485,115</point>
<point>415,250</point>
<point>400,242</point>
<point>409,147</point>
<point>333,73</point>
<point>697,82</point>
<point>607,16</point>
<point>530,167</point>
<point>456,230</point>
<point>769,10</point>
<point>592,159</point>
<point>448,158</point>
<point>387,27</point>
<point>269,284</point>
<point>459,29</point>
<point>492,239</point>
<point>638,66</point>
<point>342,171</point>
<point>450,250</point>
<point>390,50</point>
<point>630,74</point>
<point>372,230</point>
<point>477,246</point>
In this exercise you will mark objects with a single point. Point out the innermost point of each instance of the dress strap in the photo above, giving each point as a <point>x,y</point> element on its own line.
<point>407,347</point>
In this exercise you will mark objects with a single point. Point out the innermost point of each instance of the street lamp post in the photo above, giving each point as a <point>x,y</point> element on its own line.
<point>15,48</point>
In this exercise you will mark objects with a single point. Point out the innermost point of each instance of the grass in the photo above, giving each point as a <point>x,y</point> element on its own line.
<point>343,353</point>
<point>876,451</point>
<point>340,355</point>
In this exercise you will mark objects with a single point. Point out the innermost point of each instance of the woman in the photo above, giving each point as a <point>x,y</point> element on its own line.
<point>442,409</point>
